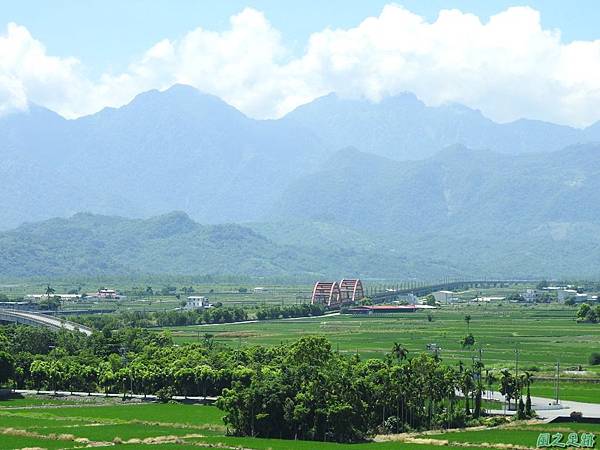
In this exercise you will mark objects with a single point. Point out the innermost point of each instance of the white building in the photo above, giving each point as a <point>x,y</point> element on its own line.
<point>489,299</point>
<point>444,297</point>
<point>530,295</point>
<point>197,302</point>
<point>563,294</point>
<point>110,294</point>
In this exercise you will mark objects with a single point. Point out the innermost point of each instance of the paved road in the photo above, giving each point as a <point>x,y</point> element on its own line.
<point>100,394</point>
<point>547,409</point>
<point>263,321</point>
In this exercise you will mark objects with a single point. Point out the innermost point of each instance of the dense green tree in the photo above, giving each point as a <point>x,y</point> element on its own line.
<point>298,390</point>
<point>468,341</point>
<point>7,367</point>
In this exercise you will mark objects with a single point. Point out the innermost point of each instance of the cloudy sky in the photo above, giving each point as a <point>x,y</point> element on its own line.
<point>536,59</point>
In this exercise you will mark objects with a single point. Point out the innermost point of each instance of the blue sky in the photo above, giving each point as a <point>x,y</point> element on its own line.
<point>534,59</point>
<point>106,34</point>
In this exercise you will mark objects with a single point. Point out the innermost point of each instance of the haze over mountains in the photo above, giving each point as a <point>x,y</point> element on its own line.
<point>395,188</point>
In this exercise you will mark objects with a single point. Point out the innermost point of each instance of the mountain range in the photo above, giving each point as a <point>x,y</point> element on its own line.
<point>391,189</point>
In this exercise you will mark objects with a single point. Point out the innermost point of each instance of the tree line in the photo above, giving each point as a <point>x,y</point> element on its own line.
<point>219,314</point>
<point>302,390</point>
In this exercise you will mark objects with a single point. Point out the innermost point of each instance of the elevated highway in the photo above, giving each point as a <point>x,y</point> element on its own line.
<point>419,291</point>
<point>41,320</point>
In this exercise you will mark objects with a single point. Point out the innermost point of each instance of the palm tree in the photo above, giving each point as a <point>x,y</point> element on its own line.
<point>479,389</point>
<point>527,378</point>
<point>468,320</point>
<point>400,352</point>
<point>490,379</point>
<point>507,385</point>
<point>49,291</point>
<point>466,386</point>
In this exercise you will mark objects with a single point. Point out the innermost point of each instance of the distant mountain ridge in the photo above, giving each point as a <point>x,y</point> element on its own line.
<point>184,150</point>
<point>404,128</point>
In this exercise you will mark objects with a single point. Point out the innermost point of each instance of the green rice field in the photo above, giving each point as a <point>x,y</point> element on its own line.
<point>179,426</point>
<point>542,334</point>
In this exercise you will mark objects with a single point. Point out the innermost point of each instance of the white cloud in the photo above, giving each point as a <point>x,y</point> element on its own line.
<point>509,67</point>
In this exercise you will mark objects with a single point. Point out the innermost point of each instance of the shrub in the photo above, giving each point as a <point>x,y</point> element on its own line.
<point>595,359</point>
<point>393,425</point>
<point>576,416</point>
<point>494,421</point>
<point>165,394</point>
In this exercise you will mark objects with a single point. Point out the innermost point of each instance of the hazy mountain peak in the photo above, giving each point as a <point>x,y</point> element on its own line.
<point>403,98</point>
<point>33,113</point>
<point>170,224</point>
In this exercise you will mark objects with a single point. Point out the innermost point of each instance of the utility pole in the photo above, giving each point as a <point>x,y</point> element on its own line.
<point>557,382</point>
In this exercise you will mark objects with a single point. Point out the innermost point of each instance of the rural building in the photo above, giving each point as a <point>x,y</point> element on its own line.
<point>409,298</point>
<point>564,294</point>
<point>489,299</point>
<point>197,302</point>
<point>445,297</point>
<point>530,295</point>
<point>21,306</point>
<point>110,294</point>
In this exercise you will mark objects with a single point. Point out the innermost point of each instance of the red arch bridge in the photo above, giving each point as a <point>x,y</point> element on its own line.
<point>334,293</point>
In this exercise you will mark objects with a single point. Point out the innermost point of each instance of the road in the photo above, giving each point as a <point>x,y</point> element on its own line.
<point>263,321</point>
<point>100,394</point>
<point>547,409</point>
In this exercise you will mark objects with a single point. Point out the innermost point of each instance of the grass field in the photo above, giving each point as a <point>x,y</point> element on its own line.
<point>579,392</point>
<point>178,426</point>
<point>519,435</point>
<point>135,299</point>
<point>543,334</point>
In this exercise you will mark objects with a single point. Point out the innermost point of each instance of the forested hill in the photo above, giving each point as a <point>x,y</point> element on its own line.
<point>88,244</point>
<point>92,245</point>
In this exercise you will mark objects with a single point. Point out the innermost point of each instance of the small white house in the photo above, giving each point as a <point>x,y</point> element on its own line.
<point>530,295</point>
<point>197,302</point>
<point>107,294</point>
<point>444,296</point>
<point>563,294</point>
